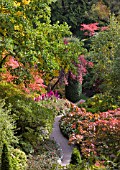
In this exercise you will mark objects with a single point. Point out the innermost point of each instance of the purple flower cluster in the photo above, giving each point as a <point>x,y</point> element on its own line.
<point>49,95</point>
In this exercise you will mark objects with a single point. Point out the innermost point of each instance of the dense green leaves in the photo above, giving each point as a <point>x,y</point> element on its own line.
<point>34,122</point>
<point>73,12</point>
<point>115,74</point>
<point>7,126</point>
<point>105,55</point>
<point>18,159</point>
<point>114,6</point>
<point>5,160</point>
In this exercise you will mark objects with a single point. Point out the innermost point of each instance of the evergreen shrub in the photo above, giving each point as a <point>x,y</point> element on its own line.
<point>75,157</point>
<point>5,158</point>
<point>100,103</point>
<point>73,90</point>
<point>34,122</point>
<point>7,126</point>
<point>18,159</point>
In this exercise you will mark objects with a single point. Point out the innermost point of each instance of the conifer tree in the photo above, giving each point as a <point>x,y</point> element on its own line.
<point>75,157</point>
<point>5,160</point>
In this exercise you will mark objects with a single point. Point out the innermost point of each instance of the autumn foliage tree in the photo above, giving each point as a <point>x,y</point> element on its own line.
<point>30,45</point>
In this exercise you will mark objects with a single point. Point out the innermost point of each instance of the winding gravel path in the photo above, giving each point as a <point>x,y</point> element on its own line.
<point>62,141</point>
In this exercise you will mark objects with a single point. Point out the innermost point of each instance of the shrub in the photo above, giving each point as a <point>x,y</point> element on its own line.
<point>5,159</point>
<point>75,157</point>
<point>73,90</point>
<point>34,122</point>
<point>7,126</point>
<point>13,159</point>
<point>105,53</point>
<point>100,103</point>
<point>18,159</point>
<point>46,156</point>
<point>114,76</point>
<point>96,134</point>
<point>59,106</point>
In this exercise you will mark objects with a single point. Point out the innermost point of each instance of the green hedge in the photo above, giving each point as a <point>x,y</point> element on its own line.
<point>34,122</point>
<point>100,103</point>
<point>13,159</point>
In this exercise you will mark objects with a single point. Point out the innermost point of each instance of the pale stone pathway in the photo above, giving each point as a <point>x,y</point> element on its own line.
<point>63,143</point>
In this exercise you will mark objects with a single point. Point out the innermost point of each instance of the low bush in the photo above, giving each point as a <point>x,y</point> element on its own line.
<point>18,159</point>
<point>46,156</point>
<point>13,159</point>
<point>100,103</point>
<point>96,134</point>
<point>76,157</point>
<point>59,106</point>
<point>34,122</point>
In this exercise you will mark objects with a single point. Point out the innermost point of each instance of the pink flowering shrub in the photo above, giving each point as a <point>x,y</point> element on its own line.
<point>90,29</point>
<point>13,63</point>
<point>49,95</point>
<point>96,134</point>
<point>81,68</point>
<point>15,72</point>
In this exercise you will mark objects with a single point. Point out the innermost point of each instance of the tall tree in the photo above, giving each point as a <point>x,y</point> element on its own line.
<point>27,35</point>
<point>74,12</point>
<point>105,54</point>
<point>77,12</point>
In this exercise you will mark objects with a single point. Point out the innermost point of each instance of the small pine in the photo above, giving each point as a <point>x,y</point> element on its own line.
<point>73,90</point>
<point>75,157</point>
<point>5,160</point>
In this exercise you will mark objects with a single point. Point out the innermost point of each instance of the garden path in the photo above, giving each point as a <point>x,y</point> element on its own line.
<point>57,136</point>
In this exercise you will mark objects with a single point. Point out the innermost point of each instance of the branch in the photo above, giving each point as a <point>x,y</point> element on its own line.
<point>52,88</point>
<point>3,61</point>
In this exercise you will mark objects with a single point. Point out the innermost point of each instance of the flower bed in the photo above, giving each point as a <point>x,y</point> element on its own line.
<point>97,135</point>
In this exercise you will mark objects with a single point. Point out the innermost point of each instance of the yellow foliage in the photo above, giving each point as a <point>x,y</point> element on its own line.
<point>47,78</point>
<point>56,73</point>
<point>4,10</point>
<point>66,69</point>
<point>17,4</point>
<point>19,13</point>
<point>25,2</point>
<point>3,31</point>
<point>18,27</point>
<point>101,10</point>
<point>41,60</point>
